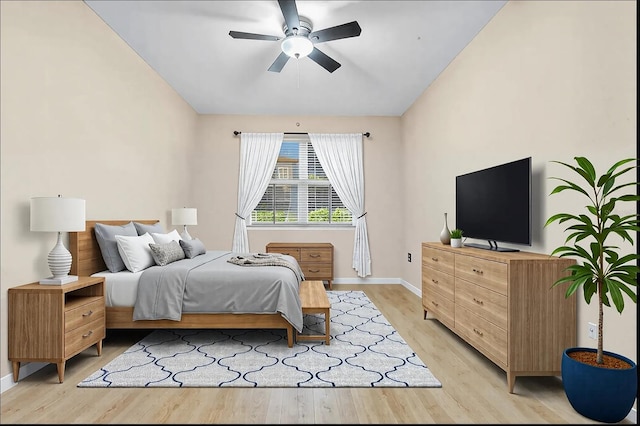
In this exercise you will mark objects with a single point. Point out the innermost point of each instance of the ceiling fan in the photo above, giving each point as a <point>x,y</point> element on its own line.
<point>300,39</point>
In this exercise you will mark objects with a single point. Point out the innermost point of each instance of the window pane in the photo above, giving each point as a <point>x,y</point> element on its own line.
<point>299,192</point>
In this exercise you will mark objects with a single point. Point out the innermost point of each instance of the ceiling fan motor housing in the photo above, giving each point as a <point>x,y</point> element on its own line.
<point>304,30</point>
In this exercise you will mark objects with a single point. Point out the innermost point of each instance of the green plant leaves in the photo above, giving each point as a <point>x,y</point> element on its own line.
<point>601,269</point>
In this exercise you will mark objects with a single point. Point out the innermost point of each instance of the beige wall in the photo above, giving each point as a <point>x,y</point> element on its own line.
<point>83,116</point>
<point>546,79</point>
<point>216,160</point>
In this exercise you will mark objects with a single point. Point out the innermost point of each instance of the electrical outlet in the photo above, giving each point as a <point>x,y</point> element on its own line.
<point>593,331</point>
<point>408,257</point>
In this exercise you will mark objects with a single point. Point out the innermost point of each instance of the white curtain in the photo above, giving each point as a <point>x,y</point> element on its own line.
<point>341,158</point>
<point>258,157</point>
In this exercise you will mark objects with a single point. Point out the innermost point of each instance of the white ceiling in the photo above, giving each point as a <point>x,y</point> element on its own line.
<point>403,47</point>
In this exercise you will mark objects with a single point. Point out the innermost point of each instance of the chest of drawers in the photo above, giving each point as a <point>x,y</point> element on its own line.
<point>315,259</point>
<point>502,304</point>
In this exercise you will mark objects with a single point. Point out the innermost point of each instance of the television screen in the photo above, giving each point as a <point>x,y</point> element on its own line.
<point>494,204</point>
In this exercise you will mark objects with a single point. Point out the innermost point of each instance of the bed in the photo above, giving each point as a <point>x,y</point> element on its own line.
<point>88,260</point>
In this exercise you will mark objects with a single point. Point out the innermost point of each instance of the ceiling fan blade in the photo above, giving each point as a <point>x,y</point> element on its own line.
<point>323,60</point>
<point>351,29</point>
<point>252,36</point>
<point>279,63</point>
<point>290,13</point>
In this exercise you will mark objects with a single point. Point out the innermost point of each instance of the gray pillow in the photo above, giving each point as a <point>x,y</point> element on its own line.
<point>192,248</point>
<point>106,236</point>
<point>163,254</point>
<point>142,228</point>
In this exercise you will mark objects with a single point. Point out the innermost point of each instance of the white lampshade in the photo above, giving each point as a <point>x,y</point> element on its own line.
<point>296,46</point>
<point>184,216</point>
<point>57,214</point>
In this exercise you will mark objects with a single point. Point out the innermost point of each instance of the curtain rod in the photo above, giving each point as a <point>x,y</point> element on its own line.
<point>236,133</point>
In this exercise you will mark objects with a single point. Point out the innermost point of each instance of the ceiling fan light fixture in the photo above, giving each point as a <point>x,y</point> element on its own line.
<point>297,46</point>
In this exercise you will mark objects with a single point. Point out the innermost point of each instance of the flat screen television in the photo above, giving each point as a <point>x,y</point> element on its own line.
<point>494,204</point>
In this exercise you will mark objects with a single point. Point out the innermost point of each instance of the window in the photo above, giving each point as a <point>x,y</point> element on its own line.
<point>299,192</point>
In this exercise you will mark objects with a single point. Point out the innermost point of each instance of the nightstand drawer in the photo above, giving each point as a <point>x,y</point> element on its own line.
<point>315,255</point>
<point>83,337</point>
<point>312,271</point>
<point>85,313</point>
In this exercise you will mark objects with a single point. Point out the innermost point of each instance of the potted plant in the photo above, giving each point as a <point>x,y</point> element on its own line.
<point>456,238</point>
<point>600,385</point>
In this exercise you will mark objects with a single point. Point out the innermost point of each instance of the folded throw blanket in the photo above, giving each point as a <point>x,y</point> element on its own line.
<point>268,259</point>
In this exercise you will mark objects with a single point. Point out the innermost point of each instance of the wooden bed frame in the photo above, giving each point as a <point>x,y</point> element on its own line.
<point>87,260</point>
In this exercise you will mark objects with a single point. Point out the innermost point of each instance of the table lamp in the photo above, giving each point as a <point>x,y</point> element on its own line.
<point>58,214</point>
<point>184,216</point>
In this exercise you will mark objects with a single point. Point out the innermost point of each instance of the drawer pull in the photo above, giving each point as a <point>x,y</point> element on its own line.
<point>434,303</point>
<point>314,255</point>
<point>86,314</point>
<point>478,332</point>
<point>434,281</point>
<point>479,302</point>
<point>88,334</point>
<point>435,259</point>
<point>315,271</point>
<point>478,271</point>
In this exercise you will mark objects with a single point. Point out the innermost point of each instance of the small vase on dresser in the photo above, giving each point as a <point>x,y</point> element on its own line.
<point>445,235</point>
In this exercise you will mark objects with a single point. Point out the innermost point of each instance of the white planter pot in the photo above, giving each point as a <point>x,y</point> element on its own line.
<point>456,242</point>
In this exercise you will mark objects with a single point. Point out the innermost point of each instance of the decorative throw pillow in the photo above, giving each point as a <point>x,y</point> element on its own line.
<point>163,254</point>
<point>192,248</point>
<point>142,228</point>
<point>105,235</point>
<point>160,238</point>
<point>135,251</point>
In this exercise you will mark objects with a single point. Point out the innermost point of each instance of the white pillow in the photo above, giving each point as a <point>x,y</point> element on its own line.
<point>166,238</point>
<point>135,251</point>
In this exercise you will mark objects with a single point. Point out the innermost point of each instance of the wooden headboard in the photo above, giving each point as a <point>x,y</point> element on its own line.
<point>84,248</point>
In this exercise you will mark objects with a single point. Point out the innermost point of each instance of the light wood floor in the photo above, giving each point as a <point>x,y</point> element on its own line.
<point>474,390</point>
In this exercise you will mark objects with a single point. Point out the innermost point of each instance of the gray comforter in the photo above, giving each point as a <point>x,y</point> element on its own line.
<point>210,284</point>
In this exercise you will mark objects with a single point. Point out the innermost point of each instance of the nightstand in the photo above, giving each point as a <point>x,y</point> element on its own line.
<point>316,259</point>
<point>52,323</point>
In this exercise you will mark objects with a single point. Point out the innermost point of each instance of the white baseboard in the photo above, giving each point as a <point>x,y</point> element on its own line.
<point>7,382</point>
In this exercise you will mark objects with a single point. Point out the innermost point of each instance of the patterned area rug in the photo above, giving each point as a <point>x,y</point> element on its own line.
<point>365,351</point>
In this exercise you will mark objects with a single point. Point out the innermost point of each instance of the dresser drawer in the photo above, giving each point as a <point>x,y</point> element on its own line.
<point>83,314</point>
<point>438,259</point>
<point>291,251</point>
<point>487,337</point>
<point>441,307</point>
<point>487,273</point>
<point>316,255</point>
<point>312,271</point>
<point>485,303</point>
<point>438,281</point>
<point>84,336</point>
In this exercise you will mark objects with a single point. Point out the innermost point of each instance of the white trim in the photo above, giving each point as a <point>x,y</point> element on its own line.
<point>367,281</point>
<point>7,382</point>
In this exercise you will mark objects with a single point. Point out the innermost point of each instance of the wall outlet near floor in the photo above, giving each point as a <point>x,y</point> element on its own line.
<point>593,331</point>
<point>408,257</point>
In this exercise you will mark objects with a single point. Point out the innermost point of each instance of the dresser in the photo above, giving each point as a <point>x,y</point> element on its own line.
<point>52,323</point>
<point>502,304</point>
<point>315,259</point>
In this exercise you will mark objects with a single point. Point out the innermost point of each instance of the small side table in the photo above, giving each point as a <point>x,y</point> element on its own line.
<point>52,323</point>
